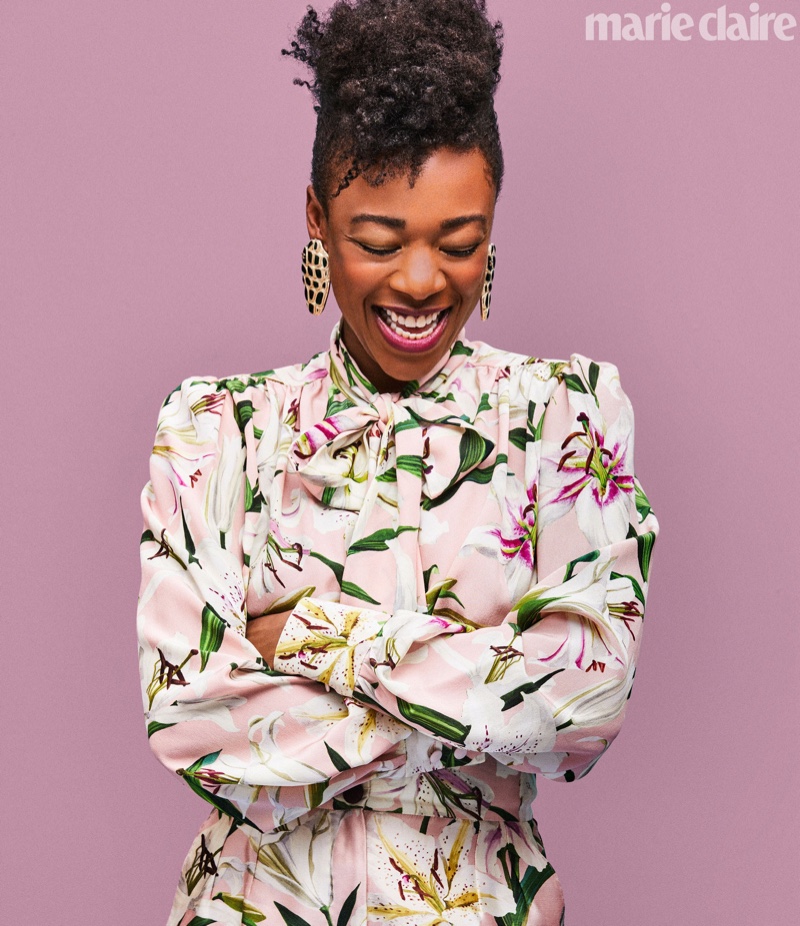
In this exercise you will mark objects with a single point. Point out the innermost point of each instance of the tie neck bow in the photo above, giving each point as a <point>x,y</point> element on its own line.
<point>387,441</point>
<point>419,439</point>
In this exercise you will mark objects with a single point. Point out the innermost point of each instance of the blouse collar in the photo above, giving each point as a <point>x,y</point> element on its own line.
<point>353,383</point>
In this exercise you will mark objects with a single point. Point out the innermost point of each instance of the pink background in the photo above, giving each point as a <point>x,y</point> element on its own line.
<point>155,157</point>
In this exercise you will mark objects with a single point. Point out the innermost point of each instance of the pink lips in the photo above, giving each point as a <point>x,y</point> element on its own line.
<point>415,346</point>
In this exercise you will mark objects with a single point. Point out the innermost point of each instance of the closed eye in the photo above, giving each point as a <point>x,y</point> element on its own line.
<point>380,252</point>
<point>461,252</point>
<point>385,252</point>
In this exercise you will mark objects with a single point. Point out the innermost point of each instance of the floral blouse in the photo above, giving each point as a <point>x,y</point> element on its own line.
<point>466,565</point>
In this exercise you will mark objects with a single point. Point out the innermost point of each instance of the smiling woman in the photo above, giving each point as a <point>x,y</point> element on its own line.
<point>408,264</point>
<point>385,588</point>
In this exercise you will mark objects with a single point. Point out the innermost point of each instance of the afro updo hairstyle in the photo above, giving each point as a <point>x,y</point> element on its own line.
<point>393,80</point>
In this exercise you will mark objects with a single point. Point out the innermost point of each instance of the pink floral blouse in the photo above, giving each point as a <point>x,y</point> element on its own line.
<point>466,563</point>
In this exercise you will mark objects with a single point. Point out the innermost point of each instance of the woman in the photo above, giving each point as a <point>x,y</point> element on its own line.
<point>385,588</point>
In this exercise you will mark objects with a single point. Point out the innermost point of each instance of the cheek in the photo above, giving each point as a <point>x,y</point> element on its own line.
<point>469,279</point>
<point>355,278</point>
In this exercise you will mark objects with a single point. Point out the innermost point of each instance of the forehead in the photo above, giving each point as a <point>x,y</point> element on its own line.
<point>450,184</point>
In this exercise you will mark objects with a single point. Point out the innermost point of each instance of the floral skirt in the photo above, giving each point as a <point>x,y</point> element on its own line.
<point>361,867</point>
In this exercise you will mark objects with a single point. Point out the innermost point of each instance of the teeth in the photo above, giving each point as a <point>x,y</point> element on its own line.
<point>424,325</point>
<point>412,321</point>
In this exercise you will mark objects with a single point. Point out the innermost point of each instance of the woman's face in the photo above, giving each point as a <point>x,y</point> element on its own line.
<point>407,264</point>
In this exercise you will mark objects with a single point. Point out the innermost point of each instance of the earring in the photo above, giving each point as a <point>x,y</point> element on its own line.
<point>486,293</point>
<point>316,276</point>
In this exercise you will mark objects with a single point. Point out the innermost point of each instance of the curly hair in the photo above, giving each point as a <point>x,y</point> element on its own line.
<point>395,79</point>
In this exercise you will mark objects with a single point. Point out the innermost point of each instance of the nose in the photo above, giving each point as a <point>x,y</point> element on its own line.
<point>418,274</point>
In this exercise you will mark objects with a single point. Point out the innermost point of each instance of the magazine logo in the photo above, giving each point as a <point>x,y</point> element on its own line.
<point>720,25</point>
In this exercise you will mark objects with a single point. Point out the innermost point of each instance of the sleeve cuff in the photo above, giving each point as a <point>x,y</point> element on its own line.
<point>327,642</point>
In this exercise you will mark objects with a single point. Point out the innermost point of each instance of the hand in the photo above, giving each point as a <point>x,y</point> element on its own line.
<point>264,633</point>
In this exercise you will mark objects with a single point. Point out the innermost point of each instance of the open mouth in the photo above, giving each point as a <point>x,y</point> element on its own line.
<point>412,331</point>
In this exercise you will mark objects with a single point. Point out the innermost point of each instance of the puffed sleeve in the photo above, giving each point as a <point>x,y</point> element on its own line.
<point>261,746</point>
<point>546,690</point>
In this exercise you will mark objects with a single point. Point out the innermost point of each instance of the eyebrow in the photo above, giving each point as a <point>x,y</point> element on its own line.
<point>391,222</point>
<point>462,220</point>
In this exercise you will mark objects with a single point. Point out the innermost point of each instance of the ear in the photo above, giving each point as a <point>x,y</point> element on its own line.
<point>315,217</point>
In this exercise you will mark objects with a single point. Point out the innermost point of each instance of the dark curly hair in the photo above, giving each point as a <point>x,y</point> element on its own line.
<point>395,79</point>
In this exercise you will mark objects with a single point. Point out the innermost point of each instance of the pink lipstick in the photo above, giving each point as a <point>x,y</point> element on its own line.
<point>413,332</point>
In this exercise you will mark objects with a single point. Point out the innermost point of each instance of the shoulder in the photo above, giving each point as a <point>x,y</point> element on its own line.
<point>201,405</point>
<point>588,388</point>
<point>193,410</point>
<point>575,381</point>
<point>522,377</point>
<point>580,403</point>
<point>586,460</point>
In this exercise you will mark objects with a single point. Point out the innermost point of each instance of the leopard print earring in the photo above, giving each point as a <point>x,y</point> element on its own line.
<point>316,276</point>
<point>486,293</point>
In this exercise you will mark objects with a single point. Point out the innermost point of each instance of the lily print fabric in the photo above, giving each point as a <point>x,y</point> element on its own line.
<point>466,565</point>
